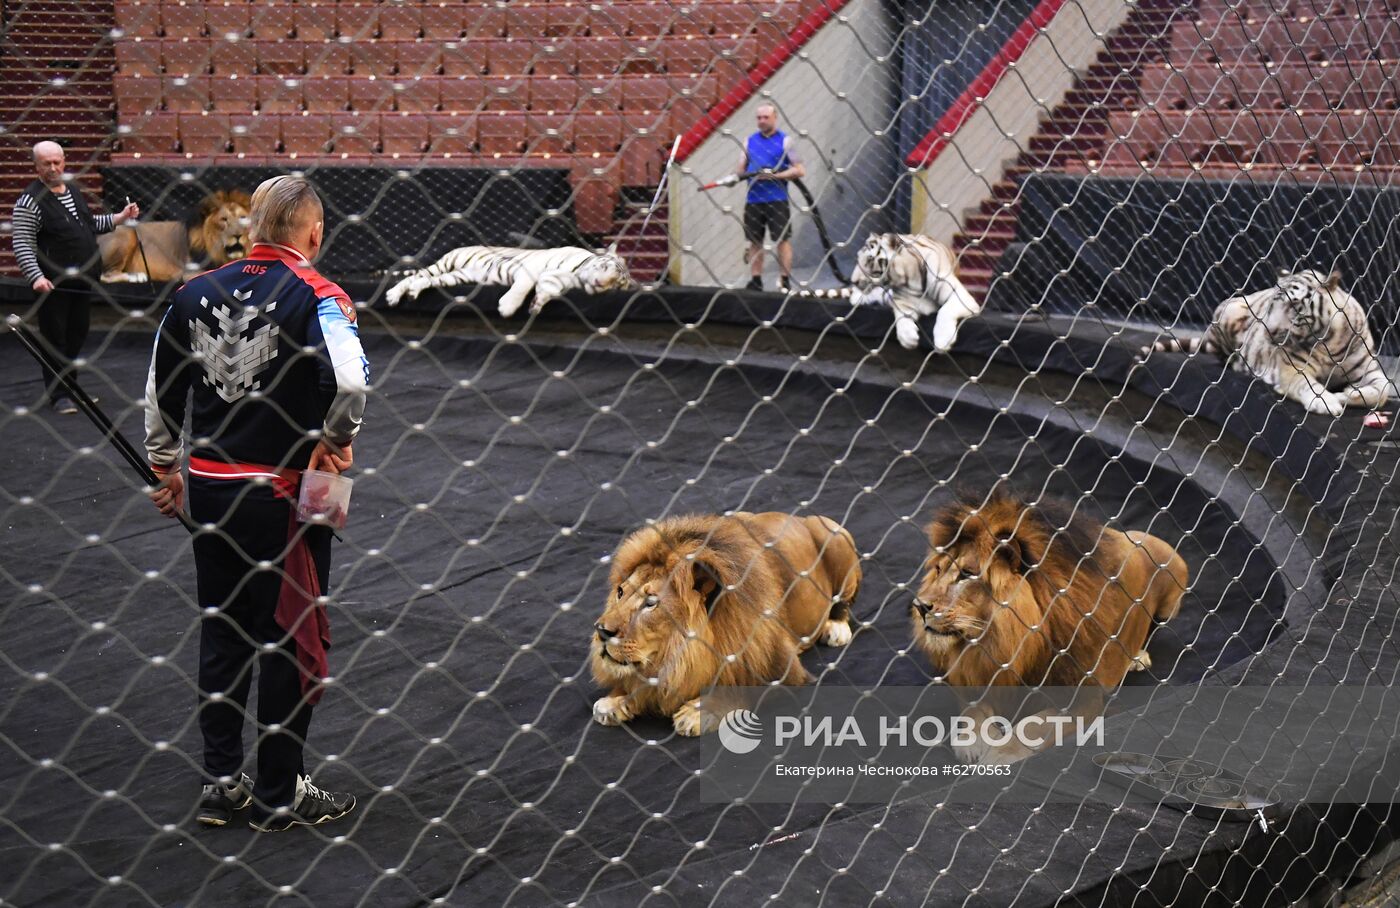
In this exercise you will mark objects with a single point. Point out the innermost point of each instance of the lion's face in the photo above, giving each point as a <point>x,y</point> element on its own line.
<point>608,271</point>
<point>223,231</point>
<point>974,610</point>
<point>652,610</point>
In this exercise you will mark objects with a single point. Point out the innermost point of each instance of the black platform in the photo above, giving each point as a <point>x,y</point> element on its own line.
<point>502,460</point>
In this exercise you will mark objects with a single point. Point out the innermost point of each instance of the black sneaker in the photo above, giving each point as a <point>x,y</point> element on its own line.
<point>217,804</point>
<point>755,283</point>
<point>64,406</point>
<point>313,807</point>
<point>784,286</point>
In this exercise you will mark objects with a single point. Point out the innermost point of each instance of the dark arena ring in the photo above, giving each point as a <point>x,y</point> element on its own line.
<point>510,458</point>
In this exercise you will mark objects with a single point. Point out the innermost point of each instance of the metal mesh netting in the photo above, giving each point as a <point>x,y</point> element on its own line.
<point>999,209</point>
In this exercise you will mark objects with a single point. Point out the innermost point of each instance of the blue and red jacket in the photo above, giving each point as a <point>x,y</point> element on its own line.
<point>267,351</point>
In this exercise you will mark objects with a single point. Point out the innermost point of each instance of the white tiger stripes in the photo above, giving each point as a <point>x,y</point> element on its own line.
<point>915,276</point>
<point>1305,336</point>
<point>549,273</point>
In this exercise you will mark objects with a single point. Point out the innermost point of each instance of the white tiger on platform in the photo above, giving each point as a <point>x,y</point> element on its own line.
<point>1305,336</point>
<point>548,272</point>
<point>915,276</point>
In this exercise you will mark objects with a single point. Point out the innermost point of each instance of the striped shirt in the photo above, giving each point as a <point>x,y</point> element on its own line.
<point>29,220</point>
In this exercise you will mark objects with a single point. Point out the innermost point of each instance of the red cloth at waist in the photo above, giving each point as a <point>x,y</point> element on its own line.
<point>285,480</point>
<point>299,610</point>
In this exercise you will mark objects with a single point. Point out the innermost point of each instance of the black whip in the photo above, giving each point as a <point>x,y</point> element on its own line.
<point>90,409</point>
<point>811,204</point>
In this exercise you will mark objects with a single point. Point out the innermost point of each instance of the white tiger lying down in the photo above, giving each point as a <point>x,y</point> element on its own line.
<point>1305,336</point>
<point>548,272</point>
<point>915,276</point>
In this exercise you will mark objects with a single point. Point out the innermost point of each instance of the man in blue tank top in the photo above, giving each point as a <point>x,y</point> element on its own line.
<point>769,152</point>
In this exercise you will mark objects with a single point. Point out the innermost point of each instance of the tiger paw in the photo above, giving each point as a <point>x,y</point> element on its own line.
<point>1333,405</point>
<point>693,720</point>
<point>612,711</point>
<point>906,330</point>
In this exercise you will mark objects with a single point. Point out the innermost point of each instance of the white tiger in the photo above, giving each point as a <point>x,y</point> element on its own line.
<point>548,272</point>
<point>1305,336</point>
<point>915,276</point>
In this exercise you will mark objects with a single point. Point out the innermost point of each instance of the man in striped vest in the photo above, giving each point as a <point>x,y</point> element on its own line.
<point>55,243</point>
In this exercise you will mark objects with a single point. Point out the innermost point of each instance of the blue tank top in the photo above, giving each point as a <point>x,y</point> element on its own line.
<point>766,153</point>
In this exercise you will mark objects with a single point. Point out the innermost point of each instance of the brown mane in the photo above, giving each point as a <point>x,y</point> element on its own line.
<point>202,230</point>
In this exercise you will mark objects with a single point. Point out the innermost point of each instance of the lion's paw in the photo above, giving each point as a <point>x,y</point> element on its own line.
<point>692,720</point>
<point>1141,662</point>
<point>612,711</point>
<point>836,633</point>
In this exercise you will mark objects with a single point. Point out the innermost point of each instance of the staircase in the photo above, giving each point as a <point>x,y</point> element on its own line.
<point>647,253</point>
<point>55,83</point>
<point>1074,133</point>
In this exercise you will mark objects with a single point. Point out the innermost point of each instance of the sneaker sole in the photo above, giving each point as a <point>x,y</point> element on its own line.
<point>291,823</point>
<point>211,820</point>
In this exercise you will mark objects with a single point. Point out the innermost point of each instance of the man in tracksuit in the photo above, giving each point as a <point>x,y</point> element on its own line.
<point>268,352</point>
<point>770,154</point>
<point>55,243</point>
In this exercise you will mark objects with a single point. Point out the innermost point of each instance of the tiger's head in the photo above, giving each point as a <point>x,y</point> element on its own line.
<point>876,258</point>
<point>1307,308</point>
<point>606,271</point>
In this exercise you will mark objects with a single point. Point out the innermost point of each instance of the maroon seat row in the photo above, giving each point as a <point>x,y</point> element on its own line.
<point>1364,85</point>
<point>453,21</point>
<point>138,95</point>
<point>1184,140</point>
<point>1275,40</point>
<point>731,56</point>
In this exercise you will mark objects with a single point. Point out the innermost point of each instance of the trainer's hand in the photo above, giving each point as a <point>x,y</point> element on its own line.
<point>42,285</point>
<point>131,212</point>
<point>330,458</point>
<point>169,496</point>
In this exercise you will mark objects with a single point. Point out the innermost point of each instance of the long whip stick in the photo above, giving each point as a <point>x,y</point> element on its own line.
<point>90,409</point>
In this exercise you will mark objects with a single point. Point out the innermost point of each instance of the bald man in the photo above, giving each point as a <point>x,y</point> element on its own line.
<point>770,154</point>
<point>55,243</point>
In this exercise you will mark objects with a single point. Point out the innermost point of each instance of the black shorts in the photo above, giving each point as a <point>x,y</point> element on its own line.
<point>771,215</point>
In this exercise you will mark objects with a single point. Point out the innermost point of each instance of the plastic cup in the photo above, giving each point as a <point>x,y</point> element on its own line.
<point>325,498</point>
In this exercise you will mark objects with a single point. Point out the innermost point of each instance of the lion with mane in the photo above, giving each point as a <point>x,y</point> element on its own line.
<point>174,250</point>
<point>702,601</point>
<point>1016,593</point>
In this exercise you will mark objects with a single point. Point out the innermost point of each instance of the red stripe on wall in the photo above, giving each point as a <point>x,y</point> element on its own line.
<point>765,68</point>
<point>931,145</point>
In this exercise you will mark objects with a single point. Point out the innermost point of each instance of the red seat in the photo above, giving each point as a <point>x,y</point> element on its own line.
<point>505,93</point>
<point>400,22</point>
<point>404,134</point>
<point>464,58</point>
<point>567,19</point>
<point>373,58</point>
<point>553,93</point>
<point>327,94</point>
<point>645,92</point>
<point>182,20</point>
<point>184,57</point>
<point>445,21</point>
<point>548,133</point>
<point>326,58</point>
<point>600,93</point>
<point>774,23</point>
<point>689,55</point>
<point>223,19</point>
<point>735,20</point>
<point>139,19</point>
<point>417,95</point>
<point>272,21</point>
<point>462,96</point>
<point>136,57</point>
<point>357,21</point>
<point>306,134</point>
<point>643,159</point>
<point>452,136</point>
<point>234,96</point>
<point>136,96</point>
<point>314,21</point>
<point>204,135</point>
<point>419,58</point>
<point>693,19</point>
<point>256,134</point>
<point>186,95</point>
<point>596,186</point>
<point>605,56</point>
<point>597,133</point>
<point>356,134</point>
<point>371,94</point>
<point>508,56</point>
<point>156,133</point>
<point>556,57</point>
<point>501,133</point>
<point>281,95</point>
<point>524,21</point>
<point>286,57</point>
<point>233,58</point>
<point>483,20</point>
